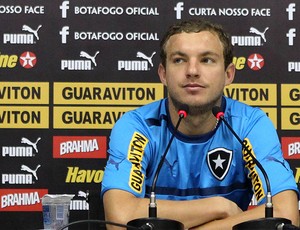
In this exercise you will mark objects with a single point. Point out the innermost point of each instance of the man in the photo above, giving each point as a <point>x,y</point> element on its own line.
<point>204,181</point>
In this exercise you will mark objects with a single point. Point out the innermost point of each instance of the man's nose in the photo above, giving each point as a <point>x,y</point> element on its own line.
<point>193,68</point>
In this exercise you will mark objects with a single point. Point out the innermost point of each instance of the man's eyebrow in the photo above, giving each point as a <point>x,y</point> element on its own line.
<point>206,53</point>
<point>177,53</point>
<point>210,53</point>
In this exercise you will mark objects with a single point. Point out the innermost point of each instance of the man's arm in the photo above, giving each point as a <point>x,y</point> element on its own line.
<point>121,207</point>
<point>285,206</point>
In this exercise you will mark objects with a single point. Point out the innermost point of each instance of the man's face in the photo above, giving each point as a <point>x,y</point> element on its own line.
<point>195,72</point>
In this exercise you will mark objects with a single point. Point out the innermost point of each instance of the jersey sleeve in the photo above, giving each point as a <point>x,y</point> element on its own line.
<point>125,169</point>
<point>263,138</point>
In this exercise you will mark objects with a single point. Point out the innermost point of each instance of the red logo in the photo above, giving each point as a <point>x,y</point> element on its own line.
<point>291,147</point>
<point>79,147</point>
<point>255,61</point>
<point>22,200</point>
<point>28,60</point>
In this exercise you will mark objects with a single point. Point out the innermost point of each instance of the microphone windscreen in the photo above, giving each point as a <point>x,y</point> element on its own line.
<point>217,112</point>
<point>183,110</point>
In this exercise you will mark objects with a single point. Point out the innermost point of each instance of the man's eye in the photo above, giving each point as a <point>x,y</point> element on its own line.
<point>207,60</point>
<point>178,60</point>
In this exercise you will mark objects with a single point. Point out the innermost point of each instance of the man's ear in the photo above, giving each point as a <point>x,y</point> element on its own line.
<point>162,74</point>
<point>229,74</point>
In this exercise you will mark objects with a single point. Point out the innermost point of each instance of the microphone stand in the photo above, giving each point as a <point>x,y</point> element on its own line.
<point>152,222</point>
<point>269,222</point>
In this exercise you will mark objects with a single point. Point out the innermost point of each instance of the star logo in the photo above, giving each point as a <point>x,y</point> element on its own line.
<point>255,61</point>
<point>28,60</point>
<point>219,161</point>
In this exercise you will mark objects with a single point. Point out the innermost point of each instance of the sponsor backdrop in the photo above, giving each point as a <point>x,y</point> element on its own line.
<point>70,69</point>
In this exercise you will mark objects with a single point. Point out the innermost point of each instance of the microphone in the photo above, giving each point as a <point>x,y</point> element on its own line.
<point>283,226</point>
<point>269,205</point>
<point>269,222</point>
<point>182,113</point>
<point>153,222</point>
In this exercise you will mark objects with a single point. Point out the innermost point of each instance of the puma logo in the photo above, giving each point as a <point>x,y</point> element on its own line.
<point>171,166</point>
<point>24,140</point>
<point>92,58</point>
<point>82,194</point>
<point>30,30</point>
<point>143,56</point>
<point>27,169</point>
<point>257,32</point>
<point>116,164</point>
<point>278,161</point>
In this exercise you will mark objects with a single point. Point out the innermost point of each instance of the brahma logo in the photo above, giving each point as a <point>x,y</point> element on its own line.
<point>291,147</point>
<point>79,147</point>
<point>21,200</point>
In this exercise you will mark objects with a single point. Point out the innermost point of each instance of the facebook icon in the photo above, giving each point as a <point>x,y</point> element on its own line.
<point>178,9</point>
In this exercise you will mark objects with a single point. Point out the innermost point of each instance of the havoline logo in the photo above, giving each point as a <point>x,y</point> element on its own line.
<point>27,60</point>
<point>256,61</point>
<point>78,176</point>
